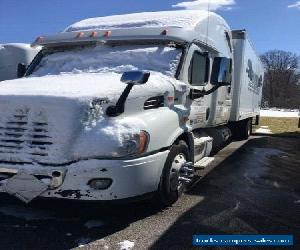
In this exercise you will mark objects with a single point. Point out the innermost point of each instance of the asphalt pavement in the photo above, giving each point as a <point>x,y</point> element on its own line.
<point>253,187</point>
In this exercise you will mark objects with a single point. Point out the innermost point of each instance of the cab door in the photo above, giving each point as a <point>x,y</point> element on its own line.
<point>196,73</point>
<point>223,95</point>
<point>212,108</point>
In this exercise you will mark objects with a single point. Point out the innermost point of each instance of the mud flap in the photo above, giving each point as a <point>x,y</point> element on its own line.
<point>25,187</point>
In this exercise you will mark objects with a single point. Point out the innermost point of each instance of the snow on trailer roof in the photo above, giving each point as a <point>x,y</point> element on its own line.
<point>184,26</point>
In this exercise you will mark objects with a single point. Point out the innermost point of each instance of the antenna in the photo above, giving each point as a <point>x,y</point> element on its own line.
<point>208,16</point>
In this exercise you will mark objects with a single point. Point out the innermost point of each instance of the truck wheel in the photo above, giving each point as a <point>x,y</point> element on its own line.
<point>242,129</point>
<point>174,179</point>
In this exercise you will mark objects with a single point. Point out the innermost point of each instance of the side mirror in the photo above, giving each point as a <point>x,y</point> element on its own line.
<point>135,77</point>
<point>21,70</point>
<point>221,71</point>
<point>131,78</point>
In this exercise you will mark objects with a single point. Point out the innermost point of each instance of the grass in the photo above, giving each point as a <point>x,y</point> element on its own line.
<point>284,126</point>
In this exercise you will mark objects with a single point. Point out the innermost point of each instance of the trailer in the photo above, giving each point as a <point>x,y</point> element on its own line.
<point>126,106</point>
<point>11,55</point>
<point>247,85</point>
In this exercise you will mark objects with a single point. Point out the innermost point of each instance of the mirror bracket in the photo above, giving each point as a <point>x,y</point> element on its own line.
<point>196,94</point>
<point>131,78</point>
<point>114,111</point>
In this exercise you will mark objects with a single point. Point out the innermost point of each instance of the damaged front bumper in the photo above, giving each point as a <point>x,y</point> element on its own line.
<point>129,178</point>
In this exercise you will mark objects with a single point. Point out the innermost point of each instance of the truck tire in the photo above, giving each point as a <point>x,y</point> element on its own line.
<point>170,187</point>
<point>242,129</point>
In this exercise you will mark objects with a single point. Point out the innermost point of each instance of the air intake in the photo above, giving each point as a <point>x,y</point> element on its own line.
<point>154,102</point>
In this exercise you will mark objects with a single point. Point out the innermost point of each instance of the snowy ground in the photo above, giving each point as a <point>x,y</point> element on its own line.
<point>278,113</point>
<point>263,130</point>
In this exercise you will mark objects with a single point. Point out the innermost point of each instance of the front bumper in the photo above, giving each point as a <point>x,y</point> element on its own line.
<point>130,178</point>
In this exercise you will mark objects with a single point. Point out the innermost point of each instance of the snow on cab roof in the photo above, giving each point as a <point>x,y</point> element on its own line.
<point>187,19</point>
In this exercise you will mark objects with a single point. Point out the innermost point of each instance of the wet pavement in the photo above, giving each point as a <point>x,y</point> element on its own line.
<point>254,188</point>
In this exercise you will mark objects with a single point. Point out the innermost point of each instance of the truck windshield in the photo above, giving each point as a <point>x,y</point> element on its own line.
<point>102,59</point>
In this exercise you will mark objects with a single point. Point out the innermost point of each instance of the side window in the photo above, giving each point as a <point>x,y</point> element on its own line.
<point>199,69</point>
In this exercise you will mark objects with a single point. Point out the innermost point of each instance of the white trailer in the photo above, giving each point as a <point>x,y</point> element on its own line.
<point>247,84</point>
<point>125,106</point>
<point>11,55</point>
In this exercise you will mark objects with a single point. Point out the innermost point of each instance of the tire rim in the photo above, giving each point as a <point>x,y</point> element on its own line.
<point>175,173</point>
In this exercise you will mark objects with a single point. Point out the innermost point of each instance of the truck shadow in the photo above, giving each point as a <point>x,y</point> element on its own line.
<point>46,224</point>
<point>254,191</point>
<point>285,134</point>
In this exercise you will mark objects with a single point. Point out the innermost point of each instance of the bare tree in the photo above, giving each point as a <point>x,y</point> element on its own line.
<point>281,87</point>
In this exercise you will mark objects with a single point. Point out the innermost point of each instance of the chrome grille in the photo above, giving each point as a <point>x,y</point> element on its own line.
<point>21,135</point>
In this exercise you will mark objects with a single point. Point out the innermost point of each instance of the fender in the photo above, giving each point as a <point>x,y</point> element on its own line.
<point>188,137</point>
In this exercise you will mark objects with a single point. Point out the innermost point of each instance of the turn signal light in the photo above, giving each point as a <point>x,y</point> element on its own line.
<point>93,34</point>
<point>107,33</point>
<point>79,35</point>
<point>144,140</point>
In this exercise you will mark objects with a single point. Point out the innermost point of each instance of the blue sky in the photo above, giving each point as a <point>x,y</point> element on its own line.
<point>271,23</point>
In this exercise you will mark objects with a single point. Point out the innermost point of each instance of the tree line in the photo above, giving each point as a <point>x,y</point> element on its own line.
<point>282,79</point>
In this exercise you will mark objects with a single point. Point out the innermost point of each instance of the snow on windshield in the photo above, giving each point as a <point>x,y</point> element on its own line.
<point>104,59</point>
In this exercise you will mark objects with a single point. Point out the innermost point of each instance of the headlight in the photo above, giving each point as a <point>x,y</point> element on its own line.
<point>135,145</point>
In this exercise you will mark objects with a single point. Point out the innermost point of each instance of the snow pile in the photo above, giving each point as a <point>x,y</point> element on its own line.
<point>184,18</point>
<point>73,106</point>
<point>108,137</point>
<point>263,130</point>
<point>110,59</point>
<point>126,245</point>
<point>278,113</point>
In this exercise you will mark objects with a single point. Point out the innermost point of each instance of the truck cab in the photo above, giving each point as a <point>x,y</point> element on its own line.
<point>119,107</point>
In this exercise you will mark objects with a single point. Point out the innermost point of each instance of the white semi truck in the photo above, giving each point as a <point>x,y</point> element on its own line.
<point>126,106</point>
<point>13,54</point>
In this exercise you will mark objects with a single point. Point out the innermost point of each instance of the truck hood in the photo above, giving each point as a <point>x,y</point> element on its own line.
<point>84,85</point>
<point>56,120</point>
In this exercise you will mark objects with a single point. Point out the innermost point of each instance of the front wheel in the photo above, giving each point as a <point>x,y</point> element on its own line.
<point>177,174</point>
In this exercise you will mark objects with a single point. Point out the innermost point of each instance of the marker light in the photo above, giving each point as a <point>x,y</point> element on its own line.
<point>144,140</point>
<point>164,32</point>
<point>39,39</point>
<point>93,34</point>
<point>79,35</point>
<point>170,98</point>
<point>170,101</point>
<point>107,33</point>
